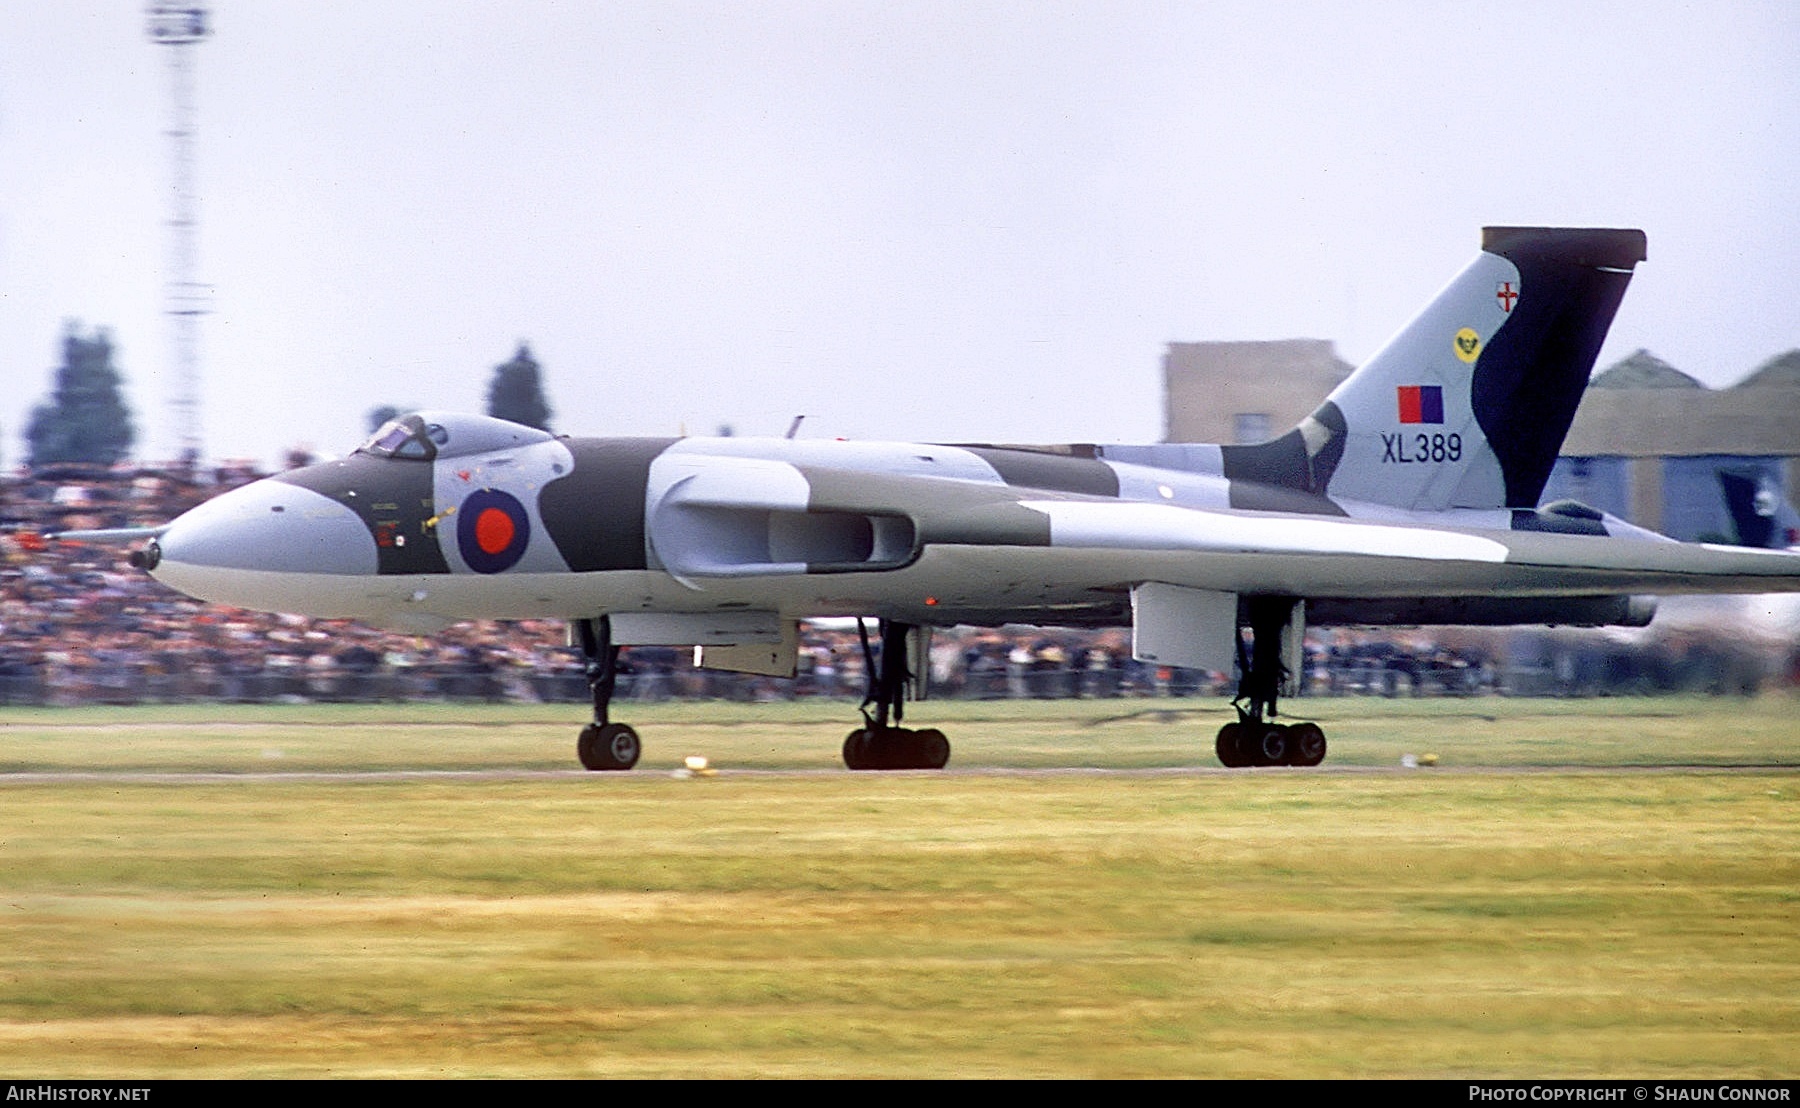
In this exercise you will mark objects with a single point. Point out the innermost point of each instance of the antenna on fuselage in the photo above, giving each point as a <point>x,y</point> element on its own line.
<point>794,427</point>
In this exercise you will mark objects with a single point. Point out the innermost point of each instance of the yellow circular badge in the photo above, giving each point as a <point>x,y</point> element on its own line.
<point>1467,344</point>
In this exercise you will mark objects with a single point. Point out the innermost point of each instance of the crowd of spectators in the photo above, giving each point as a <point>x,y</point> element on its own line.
<point>78,625</point>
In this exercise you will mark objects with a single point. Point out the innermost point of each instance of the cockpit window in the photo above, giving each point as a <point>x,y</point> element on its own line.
<point>406,437</point>
<point>437,434</point>
<point>386,439</point>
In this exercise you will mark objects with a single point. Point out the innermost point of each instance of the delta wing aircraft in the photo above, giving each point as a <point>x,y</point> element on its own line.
<point>1409,496</point>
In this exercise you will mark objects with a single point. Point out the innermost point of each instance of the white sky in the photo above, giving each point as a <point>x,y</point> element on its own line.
<point>937,221</point>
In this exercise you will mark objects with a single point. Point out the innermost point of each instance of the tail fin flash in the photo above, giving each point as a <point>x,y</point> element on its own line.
<point>1468,405</point>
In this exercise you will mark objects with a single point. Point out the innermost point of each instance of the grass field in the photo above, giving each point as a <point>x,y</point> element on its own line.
<point>197,892</point>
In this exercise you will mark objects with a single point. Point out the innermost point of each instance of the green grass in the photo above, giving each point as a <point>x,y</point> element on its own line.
<point>1508,922</point>
<point>1166,733</point>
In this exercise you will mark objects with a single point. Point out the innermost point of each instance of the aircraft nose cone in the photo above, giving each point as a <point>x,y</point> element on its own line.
<point>264,527</point>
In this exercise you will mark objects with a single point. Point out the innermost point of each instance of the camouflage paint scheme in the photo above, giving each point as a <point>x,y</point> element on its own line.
<point>1410,495</point>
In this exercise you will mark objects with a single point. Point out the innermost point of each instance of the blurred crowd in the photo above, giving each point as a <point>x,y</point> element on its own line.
<point>78,625</point>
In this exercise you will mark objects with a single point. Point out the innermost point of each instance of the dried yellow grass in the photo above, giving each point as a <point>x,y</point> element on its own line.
<point>1502,922</point>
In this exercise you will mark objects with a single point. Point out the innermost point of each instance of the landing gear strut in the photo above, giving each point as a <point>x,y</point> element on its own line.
<point>603,745</point>
<point>876,744</point>
<point>1255,739</point>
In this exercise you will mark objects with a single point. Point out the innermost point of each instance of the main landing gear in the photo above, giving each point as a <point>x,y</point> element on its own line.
<point>1255,740</point>
<point>876,745</point>
<point>603,745</point>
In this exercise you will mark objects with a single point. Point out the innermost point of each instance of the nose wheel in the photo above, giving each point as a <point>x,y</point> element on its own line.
<point>608,746</point>
<point>603,745</point>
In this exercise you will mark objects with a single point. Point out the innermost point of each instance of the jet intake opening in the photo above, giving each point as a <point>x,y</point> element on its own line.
<point>704,541</point>
<point>834,539</point>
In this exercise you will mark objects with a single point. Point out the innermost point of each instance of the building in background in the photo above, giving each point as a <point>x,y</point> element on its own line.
<point>1648,444</point>
<point>1245,392</point>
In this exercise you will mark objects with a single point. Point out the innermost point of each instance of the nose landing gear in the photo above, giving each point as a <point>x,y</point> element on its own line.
<point>603,745</point>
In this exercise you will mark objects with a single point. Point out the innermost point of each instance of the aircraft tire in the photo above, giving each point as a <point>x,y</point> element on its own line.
<point>896,748</point>
<point>1306,744</point>
<point>1271,746</point>
<point>933,748</point>
<point>612,746</point>
<point>1230,747</point>
<point>858,750</point>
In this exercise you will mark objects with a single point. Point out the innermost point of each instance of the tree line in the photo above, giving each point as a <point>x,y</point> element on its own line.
<point>86,420</point>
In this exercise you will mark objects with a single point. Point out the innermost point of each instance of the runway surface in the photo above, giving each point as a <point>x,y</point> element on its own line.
<point>30,777</point>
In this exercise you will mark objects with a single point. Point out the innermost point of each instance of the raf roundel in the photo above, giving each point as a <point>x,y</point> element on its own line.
<point>492,531</point>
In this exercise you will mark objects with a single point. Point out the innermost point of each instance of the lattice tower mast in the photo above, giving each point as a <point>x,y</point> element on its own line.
<point>181,26</point>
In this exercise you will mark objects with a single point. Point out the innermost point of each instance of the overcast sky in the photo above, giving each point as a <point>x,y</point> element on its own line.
<point>936,221</point>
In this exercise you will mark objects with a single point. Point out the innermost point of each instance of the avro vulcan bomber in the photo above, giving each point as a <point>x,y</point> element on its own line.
<point>1409,496</point>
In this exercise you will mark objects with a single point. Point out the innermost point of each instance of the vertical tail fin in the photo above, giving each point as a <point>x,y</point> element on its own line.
<point>1468,405</point>
<point>1759,513</point>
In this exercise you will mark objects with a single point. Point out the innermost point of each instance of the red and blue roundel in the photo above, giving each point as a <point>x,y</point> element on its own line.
<point>492,530</point>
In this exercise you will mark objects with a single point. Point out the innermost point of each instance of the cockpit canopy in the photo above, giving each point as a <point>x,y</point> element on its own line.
<point>423,436</point>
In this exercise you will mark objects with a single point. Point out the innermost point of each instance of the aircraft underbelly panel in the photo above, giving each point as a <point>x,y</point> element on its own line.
<point>949,584</point>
